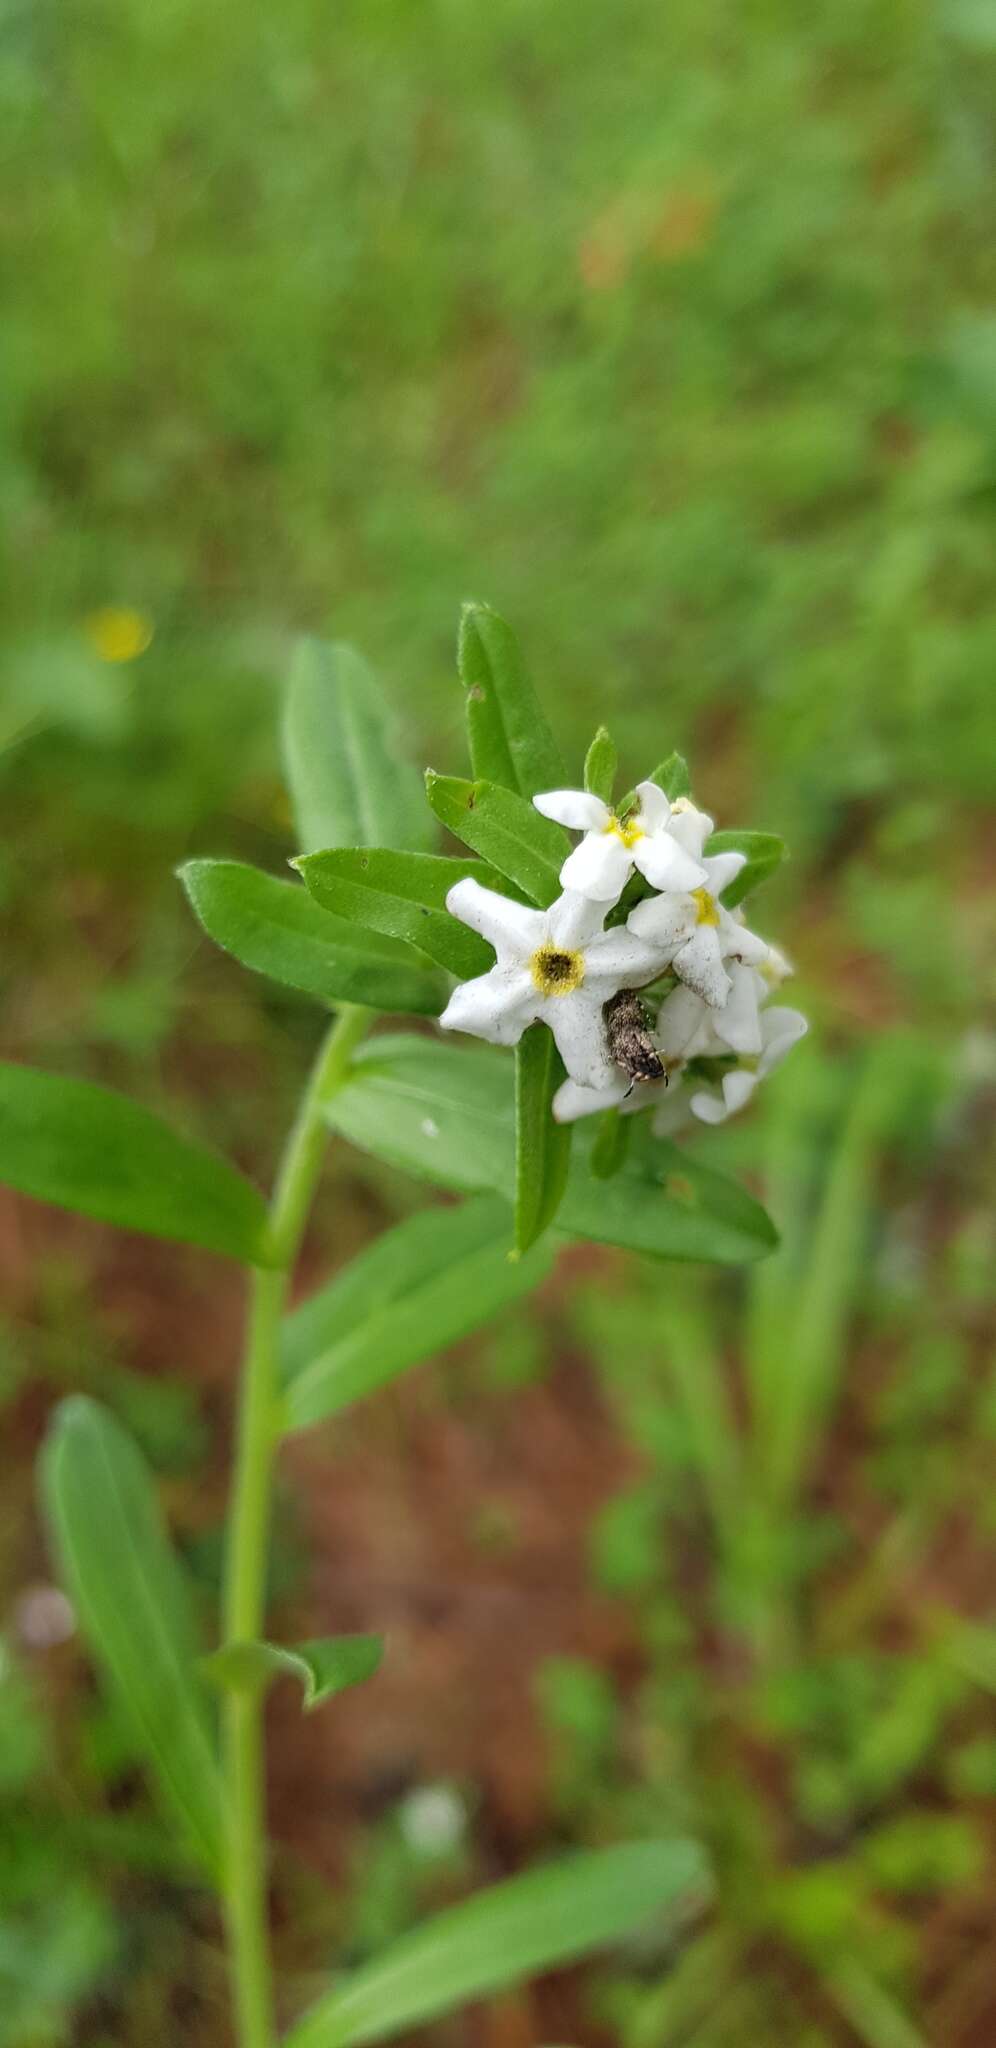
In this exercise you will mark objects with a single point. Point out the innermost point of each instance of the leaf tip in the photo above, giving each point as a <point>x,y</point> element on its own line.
<point>77,1411</point>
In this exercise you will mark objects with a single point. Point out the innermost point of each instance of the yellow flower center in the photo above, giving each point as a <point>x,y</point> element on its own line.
<point>116,633</point>
<point>629,832</point>
<point>555,973</point>
<point>708,909</point>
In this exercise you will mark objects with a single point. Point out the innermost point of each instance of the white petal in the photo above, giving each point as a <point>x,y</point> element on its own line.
<point>598,868</point>
<point>579,1029</point>
<point>574,920</point>
<point>710,1109</point>
<point>738,1023</point>
<point>720,869</point>
<point>495,1006</point>
<point>691,828</point>
<point>665,921</point>
<point>572,1101</point>
<point>666,864</point>
<point>737,942</point>
<point>738,1088</point>
<point>781,1029</point>
<point>511,928</point>
<point>576,808</point>
<point>655,807</point>
<point>672,1112</point>
<point>619,960</point>
<point>777,967</point>
<point>685,1026</point>
<point>699,962</point>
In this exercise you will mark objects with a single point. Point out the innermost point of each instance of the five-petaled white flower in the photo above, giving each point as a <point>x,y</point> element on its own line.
<point>558,965</point>
<point>696,932</point>
<point>686,1029</point>
<point>612,847</point>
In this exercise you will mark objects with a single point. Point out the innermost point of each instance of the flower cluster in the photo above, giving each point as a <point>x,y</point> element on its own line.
<point>701,1041</point>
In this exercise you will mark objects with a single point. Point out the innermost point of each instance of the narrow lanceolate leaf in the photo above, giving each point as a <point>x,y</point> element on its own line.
<point>672,777</point>
<point>764,850</point>
<point>509,1932</point>
<point>610,1144</point>
<point>542,1148</point>
<point>131,1602</point>
<point>277,928</point>
<point>510,741</point>
<point>322,1668</point>
<point>350,783</point>
<point>505,830</point>
<point>403,895</point>
<point>85,1148</point>
<point>601,762</point>
<point>417,1289</point>
<point>447,1115</point>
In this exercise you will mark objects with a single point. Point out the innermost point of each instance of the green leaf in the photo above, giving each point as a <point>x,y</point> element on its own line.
<point>447,1116</point>
<point>85,1148</point>
<point>417,1289</point>
<point>511,1931</point>
<point>600,765</point>
<point>610,1144</point>
<point>350,784</point>
<point>672,777</point>
<point>971,1647</point>
<point>131,1601</point>
<point>871,2009</point>
<point>505,830</point>
<point>765,851</point>
<point>277,928</point>
<point>322,1667</point>
<point>542,1147</point>
<point>510,741</point>
<point>403,895</point>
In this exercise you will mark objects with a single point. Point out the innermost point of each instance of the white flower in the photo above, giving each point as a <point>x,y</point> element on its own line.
<point>557,965</point>
<point>679,1031</point>
<point>687,1029</point>
<point>612,847</point>
<point>697,933</point>
<point>781,1029</point>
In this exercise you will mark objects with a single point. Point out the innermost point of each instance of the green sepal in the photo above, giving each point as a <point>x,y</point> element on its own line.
<point>323,1667</point>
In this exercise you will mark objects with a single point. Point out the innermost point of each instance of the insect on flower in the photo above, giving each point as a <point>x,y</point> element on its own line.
<point>631,1044</point>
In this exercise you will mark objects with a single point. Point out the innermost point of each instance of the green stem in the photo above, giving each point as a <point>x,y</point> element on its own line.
<point>245,1574</point>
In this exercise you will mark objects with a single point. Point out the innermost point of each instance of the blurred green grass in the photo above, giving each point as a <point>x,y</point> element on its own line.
<point>673,335</point>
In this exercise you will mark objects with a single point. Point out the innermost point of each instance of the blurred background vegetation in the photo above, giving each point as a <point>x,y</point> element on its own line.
<point>671,333</point>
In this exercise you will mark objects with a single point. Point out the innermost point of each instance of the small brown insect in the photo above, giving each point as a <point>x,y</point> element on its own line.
<point>630,1042</point>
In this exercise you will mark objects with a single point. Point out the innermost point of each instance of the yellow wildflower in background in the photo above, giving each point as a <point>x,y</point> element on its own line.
<point>116,633</point>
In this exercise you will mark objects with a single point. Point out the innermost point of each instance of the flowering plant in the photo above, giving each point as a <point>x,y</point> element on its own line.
<point>624,975</point>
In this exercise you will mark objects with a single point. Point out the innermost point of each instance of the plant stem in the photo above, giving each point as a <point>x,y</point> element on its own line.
<point>248,1535</point>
